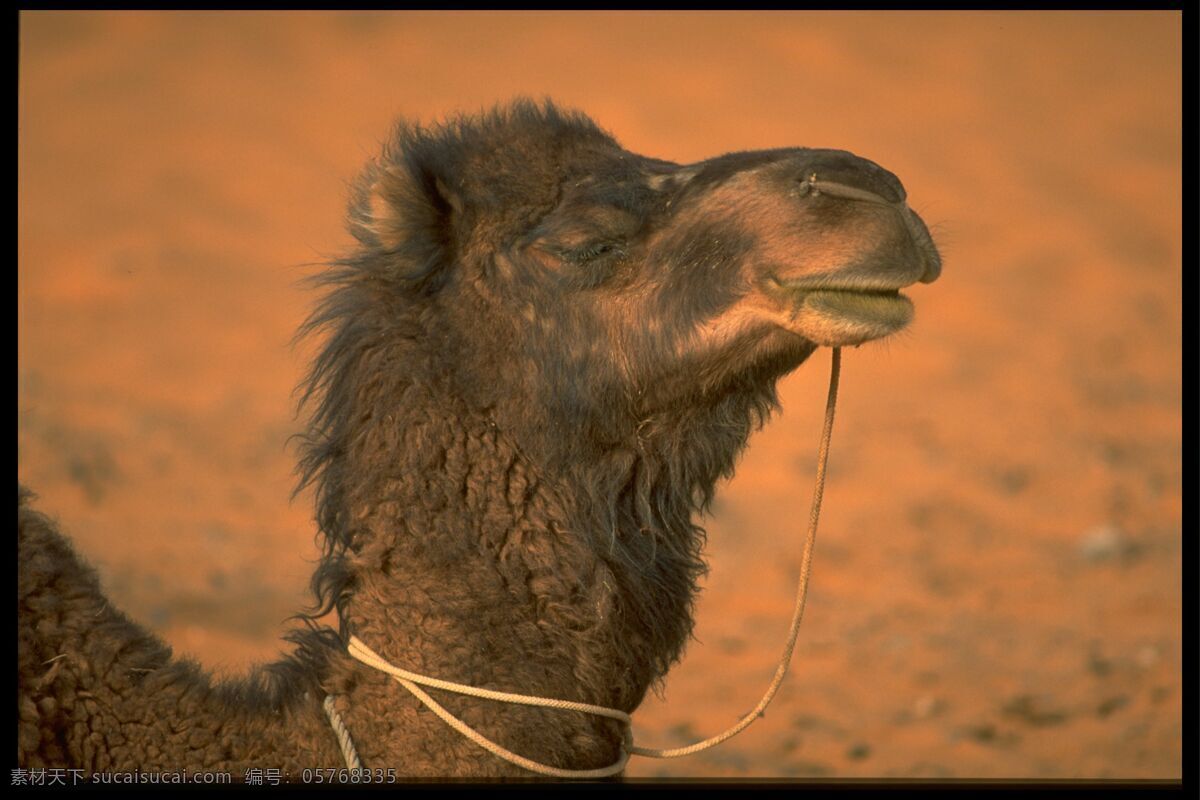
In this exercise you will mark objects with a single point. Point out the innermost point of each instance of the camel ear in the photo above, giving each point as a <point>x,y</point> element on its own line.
<point>411,215</point>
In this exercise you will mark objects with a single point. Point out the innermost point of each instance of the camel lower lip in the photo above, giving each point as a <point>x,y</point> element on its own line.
<point>888,307</point>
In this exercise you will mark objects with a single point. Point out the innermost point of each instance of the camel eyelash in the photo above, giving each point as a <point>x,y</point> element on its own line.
<point>595,250</point>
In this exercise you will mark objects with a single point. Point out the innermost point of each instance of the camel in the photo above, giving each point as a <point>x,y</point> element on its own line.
<point>540,355</point>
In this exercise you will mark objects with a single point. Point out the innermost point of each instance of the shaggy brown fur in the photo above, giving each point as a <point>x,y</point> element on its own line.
<point>540,358</point>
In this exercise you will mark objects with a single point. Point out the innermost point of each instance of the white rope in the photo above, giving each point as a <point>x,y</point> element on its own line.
<point>342,733</point>
<point>409,680</point>
<point>372,659</point>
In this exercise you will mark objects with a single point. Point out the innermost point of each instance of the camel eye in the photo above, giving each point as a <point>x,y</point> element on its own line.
<point>593,251</point>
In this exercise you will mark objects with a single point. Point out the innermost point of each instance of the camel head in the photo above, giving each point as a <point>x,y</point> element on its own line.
<point>590,288</point>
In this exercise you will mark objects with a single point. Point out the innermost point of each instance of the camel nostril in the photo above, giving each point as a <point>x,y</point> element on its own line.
<point>842,190</point>
<point>819,167</point>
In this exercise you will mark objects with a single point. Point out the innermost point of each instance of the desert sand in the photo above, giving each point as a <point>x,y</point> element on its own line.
<point>997,582</point>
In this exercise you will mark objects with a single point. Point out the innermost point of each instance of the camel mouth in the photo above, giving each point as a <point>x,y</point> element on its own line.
<point>846,284</point>
<point>837,316</point>
<point>886,305</point>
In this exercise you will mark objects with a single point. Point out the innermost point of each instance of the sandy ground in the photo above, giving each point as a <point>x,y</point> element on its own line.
<point>997,585</point>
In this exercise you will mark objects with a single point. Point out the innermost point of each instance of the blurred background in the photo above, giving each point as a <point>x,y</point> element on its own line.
<point>997,581</point>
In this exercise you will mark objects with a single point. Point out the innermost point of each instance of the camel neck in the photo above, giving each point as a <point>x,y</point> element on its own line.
<point>467,543</point>
<point>461,561</point>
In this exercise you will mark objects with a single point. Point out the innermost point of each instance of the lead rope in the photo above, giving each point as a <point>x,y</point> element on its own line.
<point>343,734</point>
<point>409,680</point>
